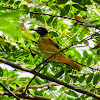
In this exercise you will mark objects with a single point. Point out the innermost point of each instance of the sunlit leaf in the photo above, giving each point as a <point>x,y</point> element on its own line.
<point>77,42</point>
<point>59,18</point>
<point>2,42</point>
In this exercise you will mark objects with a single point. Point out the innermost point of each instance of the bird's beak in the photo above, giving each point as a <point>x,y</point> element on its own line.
<point>32,29</point>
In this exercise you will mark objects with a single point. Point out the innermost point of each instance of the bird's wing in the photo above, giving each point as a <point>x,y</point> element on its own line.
<point>55,44</point>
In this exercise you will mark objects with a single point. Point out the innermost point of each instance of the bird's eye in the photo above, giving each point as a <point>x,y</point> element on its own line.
<point>36,29</point>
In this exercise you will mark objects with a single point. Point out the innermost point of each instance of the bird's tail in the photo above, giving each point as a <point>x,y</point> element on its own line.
<point>62,58</point>
<point>73,64</point>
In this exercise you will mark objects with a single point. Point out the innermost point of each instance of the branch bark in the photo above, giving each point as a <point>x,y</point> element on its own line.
<point>26,96</point>
<point>33,78</point>
<point>10,92</point>
<point>36,86</point>
<point>49,78</point>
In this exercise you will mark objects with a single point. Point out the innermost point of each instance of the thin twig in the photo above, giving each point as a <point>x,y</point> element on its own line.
<point>71,37</point>
<point>58,7</point>
<point>36,86</point>
<point>9,92</point>
<point>39,13</point>
<point>82,23</point>
<point>94,69</point>
<point>33,78</point>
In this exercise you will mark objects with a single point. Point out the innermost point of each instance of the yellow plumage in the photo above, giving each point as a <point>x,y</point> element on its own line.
<point>48,47</point>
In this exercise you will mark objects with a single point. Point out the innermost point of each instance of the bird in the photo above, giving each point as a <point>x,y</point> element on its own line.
<point>47,46</point>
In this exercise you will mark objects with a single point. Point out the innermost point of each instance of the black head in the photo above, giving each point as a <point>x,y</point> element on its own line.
<point>40,30</point>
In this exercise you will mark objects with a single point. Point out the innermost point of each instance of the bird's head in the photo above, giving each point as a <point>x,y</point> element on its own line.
<point>40,30</point>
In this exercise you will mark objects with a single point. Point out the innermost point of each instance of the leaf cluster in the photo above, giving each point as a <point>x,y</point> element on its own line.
<point>17,42</point>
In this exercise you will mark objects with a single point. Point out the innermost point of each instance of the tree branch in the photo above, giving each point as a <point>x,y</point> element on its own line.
<point>26,96</point>
<point>39,13</point>
<point>11,93</point>
<point>36,86</point>
<point>33,78</point>
<point>82,23</point>
<point>50,78</point>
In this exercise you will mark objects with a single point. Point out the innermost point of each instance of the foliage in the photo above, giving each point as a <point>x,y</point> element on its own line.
<point>17,42</point>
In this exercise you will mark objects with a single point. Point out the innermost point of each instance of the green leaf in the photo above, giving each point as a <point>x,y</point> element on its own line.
<point>77,1</point>
<point>82,2</point>
<point>73,93</point>
<point>97,1</point>
<point>11,2</point>
<point>77,54</point>
<point>67,78</point>
<point>89,79</point>
<point>9,27</point>
<point>98,26</point>
<point>62,89</point>
<point>49,74</point>
<point>81,79</point>
<point>65,10</point>
<point>89,60</point>
<point>59,74</point>
<point>98,52</point>
<point>2,42</point>
<point>38,81</point>
<point>96,78</point>
<point>4,0</point>
<point>95,60</point>
<point>49,21</point>
<point>15,12</point>
<point>85,54</point>
<point>1,72</point>
<point>62,1</point>
<point>88,2</point>
<point>85,42</point>
<point>79,7</point>
<point>17,3</point>
<point>75,78</point>
<point>40,18</point>
<point>52,88</point>
<point>11,15</point>
<point>54,23</point>
<point>24,7</point>
<point>77,42</point>
<point>53,34</point>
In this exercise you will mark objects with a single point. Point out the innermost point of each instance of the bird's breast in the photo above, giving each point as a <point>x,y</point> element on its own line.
<point>46,46</point>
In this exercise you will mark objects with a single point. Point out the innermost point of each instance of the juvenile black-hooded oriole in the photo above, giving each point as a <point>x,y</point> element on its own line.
<point>48,47</point>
